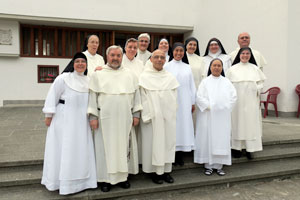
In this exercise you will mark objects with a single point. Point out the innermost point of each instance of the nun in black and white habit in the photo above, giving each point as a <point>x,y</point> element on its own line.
<point>69,162</point>
<point>195,61</point>
<point>164,46</point>
<point>215,49</point>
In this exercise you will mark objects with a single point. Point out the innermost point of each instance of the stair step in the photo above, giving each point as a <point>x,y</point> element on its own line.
<point>31,174</point>
<point>189,178</point>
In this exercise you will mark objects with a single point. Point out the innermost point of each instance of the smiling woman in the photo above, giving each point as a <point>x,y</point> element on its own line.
<point>69,164</point>
<point>186,99</point>
<point>248,80</point>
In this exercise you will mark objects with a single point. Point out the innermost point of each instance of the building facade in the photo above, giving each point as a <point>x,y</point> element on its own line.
<point>38,38</point>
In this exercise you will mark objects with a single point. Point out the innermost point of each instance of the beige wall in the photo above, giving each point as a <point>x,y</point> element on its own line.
<point>273,25</point>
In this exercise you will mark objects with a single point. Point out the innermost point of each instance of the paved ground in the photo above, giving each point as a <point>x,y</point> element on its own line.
<point>279,189</point>
<point>23,133</point>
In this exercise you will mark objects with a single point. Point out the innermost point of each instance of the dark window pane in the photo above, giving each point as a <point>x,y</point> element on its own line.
<point>26,41</point>
<point>59,33</point>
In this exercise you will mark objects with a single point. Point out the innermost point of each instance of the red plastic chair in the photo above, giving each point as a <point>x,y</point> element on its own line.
<point>271,98</point>
<point>298,92</point>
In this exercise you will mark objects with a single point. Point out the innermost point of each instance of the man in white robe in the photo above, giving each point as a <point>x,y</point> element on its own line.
<point>216,97</point>
<point>136,66</point>
<point>244,41</point>
<point>129,60</point>
<point>143,54</point>
<point>114,102</point>
<point>158,124</point>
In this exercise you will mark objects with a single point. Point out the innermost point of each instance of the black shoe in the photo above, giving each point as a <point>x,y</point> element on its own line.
<point>125,184</point>
<point>236,153</point>
<point>179,158</point>
<point>158,179</point>
<point>168,178</point>
<point>105,187</point>
<point>249,155</point>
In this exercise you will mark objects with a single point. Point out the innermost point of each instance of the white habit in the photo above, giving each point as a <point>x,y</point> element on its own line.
<point>69,163</point>
<point>114,97</point>
<point>143,55</point>
<point>196,62</point>
<point>93,62</point>
<point>246,115</point>
<point>216,97</point>
<point>186,94</point>
<point>137,67</point>
<point>226,59</point>
<point>158,124</point>
<point>259,58</point>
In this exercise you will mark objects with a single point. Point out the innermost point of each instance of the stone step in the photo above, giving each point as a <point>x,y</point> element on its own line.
<point>31,174</point>
<point>36,158</point>
<point>184,179</point>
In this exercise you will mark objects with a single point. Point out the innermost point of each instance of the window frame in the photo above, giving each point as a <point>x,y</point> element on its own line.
<point>48,66</point>
<point>109,39</point>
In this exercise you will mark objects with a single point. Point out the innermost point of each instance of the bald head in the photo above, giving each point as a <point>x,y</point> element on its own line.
<point>158,59</point>
<point>244,39</point>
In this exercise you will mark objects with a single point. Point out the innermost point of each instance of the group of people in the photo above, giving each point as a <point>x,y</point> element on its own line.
<point>105,119</point>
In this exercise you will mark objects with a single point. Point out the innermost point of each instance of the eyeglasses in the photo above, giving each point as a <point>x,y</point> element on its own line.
<point>159,57</point>
<point>244,37</point>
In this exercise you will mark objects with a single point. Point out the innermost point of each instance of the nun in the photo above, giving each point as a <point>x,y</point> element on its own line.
<point>195,61</point>
<point>69,162</point>
<point>215,49</point>
<point>248,80</point>
<point>216,97</point>
<point>90,47</point>
<point>164,46</point>
<point>186,93</point>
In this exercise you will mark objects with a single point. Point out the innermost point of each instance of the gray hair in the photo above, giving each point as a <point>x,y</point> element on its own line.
<point>130,40</point>
<point>113,47</point>
<point>144,35</point>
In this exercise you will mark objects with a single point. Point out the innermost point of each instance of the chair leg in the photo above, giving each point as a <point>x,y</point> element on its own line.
<point>298,110</point>
<point>276,112</point>
<point>266,110</point>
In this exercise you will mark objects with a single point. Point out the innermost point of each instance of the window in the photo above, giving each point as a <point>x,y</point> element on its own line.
<point>60,42</point>
<point>47,73</point>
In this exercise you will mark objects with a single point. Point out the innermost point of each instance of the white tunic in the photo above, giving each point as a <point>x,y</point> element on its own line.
<point>196,62</point>
<point>216,97</point>
<point>143,55</point>
<point>186,93</point>
<point>115,93</point>
<point>246,116</point>
<point>158,124</point>
<point>135,65</point>
<point>259,58</point>
<point>226,59</point>
<point>69,163</point>
<point>93,62</point>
